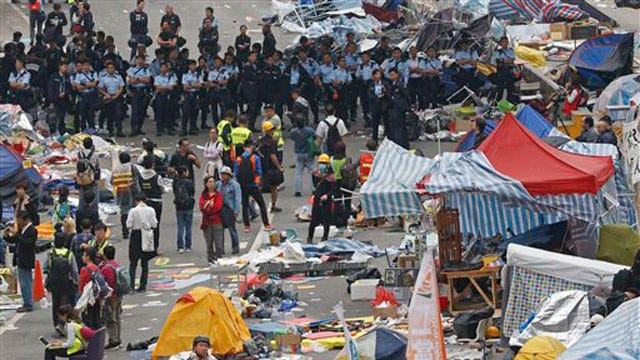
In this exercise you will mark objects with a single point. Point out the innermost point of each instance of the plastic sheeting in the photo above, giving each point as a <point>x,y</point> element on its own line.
<point>563,316</point>
<point>619,92</point>
<point>475,8</point>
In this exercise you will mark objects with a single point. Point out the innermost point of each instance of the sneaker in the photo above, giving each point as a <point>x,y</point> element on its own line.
<point>180,251</point>
<point>188,249</point>
<point>275,209</point>
<point>247,229</point>
<point>268,227</point>
<point>235,251</point>
<point>297,194</point>
<point>24,309</point>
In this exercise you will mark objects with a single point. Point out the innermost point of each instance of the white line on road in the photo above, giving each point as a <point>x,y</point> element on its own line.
<point>10,323</point>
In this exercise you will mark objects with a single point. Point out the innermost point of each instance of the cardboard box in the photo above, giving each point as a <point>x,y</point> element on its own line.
<point>364,289</point>
<point>558,31</point>
<point>385,312</point>
<point>408,261</point>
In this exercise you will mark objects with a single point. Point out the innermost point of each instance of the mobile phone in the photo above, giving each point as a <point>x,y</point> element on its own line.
<point>44,341</point>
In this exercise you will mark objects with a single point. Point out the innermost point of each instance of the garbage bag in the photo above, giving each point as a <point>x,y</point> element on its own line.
<point>465,324</point>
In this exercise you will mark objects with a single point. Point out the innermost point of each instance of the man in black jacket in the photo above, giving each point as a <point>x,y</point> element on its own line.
<point>139,27</point>
<point>59,96</point>
<point>24,237</point>
<point>269,42</point>
<point>399,101</point>
<point>54,24</point>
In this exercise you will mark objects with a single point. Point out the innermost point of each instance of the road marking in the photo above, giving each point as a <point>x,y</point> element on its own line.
<point>9,325</point>
<point>21,12</point>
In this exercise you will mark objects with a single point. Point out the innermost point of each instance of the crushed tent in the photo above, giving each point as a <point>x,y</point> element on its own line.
<point>468,140</point>
<point>14,170</point>
<point>528,9</point>
<point>560,12</point>
<point>619,92</point>
<point>341,246</point>
<point>540,348</point>
<point>546,237</point>
<point>617,337</point>
<point>602,59</point>
<point>437,31</point>
<point>379,344</point>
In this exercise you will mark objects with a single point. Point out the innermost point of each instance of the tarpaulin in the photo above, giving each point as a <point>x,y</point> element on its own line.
<point>602,59</point>
<point>436,32</point>
<point>560,12</point>
<point>528,9</point>
<point>543,170</point>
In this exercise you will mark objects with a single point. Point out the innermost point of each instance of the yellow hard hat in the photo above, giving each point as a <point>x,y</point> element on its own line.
<point>492,332</point>
<point>324,158</point>
<point>267,125</point>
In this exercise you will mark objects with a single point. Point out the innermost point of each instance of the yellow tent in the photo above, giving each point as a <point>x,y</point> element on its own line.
<point>540,348</point>
<point>202,311</point>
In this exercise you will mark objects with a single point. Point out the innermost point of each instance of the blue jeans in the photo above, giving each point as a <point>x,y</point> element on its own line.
<point>185,219</point>
<point>26,287</point>
<point>303,161</point>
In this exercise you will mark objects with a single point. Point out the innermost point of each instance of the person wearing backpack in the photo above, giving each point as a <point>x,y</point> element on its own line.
<point>150,187</point>
<point>304,147</point>
<point>330,131</point>
<point>62,275</point>
<point>79,239</point>
<point>91,273</point>
<point>184,200</point>
<point>125,187</point>
<point>119,281</point>
<point>248,170</point>
<point>87,163</point>
<point>61,208</point>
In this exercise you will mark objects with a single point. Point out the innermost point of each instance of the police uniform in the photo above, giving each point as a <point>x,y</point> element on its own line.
<point>138,95</point>
<point>163,102</point>
<point>309,91</point>
<point>341,81</point>
<point>505,77</point>
<point>270,83</point>
<point>467,72</point>
<point>113,84</point>
<point>59,94</point>
<point>379,98</point>
<point>232,85</point>
<point>432,83</point>
<point>416,84</point>
<point>399,104</point>
<point>400,65</point>
<point>21,97</point>
<point>354,88</point>
<point>364,74</point>
<point>250,92</point>
<point>324,73</point>
<point>86,99</point>
<point>190,101</point>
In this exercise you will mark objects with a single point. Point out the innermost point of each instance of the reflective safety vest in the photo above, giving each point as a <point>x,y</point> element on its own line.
<point>238,136</point>
<point>78,341</point>
<point>105,243</point>
<point>122,178</point>
<point>366,161</point>
<point>221,125</point>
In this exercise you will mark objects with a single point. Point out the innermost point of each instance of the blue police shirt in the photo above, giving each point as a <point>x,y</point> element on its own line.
<point>138,73</point>
<point>311,67</point>
<point>400,65</point>
<point>341,75</point>
<point>416,63</point>
<point>24,77</point>
<point>295,76</point>
<point>83,78</point>
<point>154,68</point>
<point>325,72</point>
<point>467,55</point>
<point>219,74</point>
<point>365,71</point>
<point>111,83</point>
<point>353,60</point>
<point>505,54</point>
<point>191,78</point>
<point>169,79</point>
<point>433,64</point>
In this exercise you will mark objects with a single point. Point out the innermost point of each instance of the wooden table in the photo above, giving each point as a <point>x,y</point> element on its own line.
<point>472,275</point>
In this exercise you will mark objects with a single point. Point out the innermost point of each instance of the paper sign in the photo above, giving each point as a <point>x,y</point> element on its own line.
<point>631,150</point>
<point>426,338</point>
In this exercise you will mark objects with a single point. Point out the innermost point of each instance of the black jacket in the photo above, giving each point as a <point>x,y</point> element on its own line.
<point>58,84</point>
<point>268,44</point>
<point>55,21</point>
<point>25,254</point>
<point>138,23</point>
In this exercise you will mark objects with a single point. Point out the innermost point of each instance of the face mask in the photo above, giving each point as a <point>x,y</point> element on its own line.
<point>323,168</point>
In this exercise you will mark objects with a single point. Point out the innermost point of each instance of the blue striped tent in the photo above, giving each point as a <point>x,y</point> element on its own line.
<point>502,11</point>
<point>391,189</point>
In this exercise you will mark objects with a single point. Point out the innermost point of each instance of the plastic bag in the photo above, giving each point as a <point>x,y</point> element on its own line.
<point>384,296</point>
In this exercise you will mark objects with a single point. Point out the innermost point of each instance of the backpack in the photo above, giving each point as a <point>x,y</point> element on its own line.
<point>123,281</point>
<point>246,171</point>
<point>101,290</point>
<point>85,173</point>
<point>94,166</point>
<point>333,134</point>
<point>59,270</point>
<point>182,197</point>
<point>349,172</point>
<point>312,146</point>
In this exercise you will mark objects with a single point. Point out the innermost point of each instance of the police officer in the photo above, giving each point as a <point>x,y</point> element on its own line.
<point>353,60</point>
<point>20,86</point>
<point>295,77</point>
<point>505,78</point>
<point>112,87</point>
<point>233,72</point>
<point>399,104</point>
<point>85,83</point>
<point>191,84</point>
<point>203,96</point>
<point>249,87</point>
<point>364,75</point>
<point>139,81</point>
<point>217,90</point>
<point>379,97</point>
<point>283,90</point>
<point>138,26</point>
<point>341,82</point>
<point>466,59</point>
<point>432,82</point>
<point>164,85</point>
<point>416,67</point>
<point>396,62</point>
<point>309,91</point>
<point>59,96</point>
<point>325,71</point>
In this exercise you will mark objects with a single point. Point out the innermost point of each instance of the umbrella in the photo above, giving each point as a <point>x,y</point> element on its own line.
<point>379,344</point>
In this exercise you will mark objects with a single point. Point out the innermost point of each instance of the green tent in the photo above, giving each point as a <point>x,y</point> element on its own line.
<point>618,244</point>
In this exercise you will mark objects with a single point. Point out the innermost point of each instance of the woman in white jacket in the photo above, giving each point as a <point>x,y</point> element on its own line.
<point>213,155</point>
